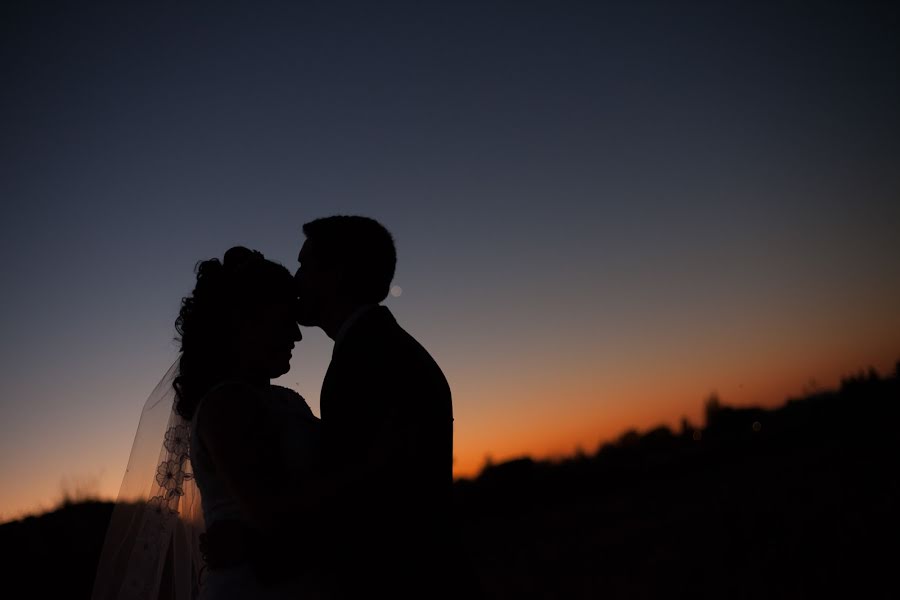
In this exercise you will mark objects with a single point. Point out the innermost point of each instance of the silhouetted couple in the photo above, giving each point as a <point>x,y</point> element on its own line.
<point>355,504</point>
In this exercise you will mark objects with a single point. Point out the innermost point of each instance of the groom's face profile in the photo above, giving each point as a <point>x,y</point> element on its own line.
<point>316,284</point>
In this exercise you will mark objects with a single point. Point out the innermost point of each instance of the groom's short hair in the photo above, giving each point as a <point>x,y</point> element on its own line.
<point>362,248</point>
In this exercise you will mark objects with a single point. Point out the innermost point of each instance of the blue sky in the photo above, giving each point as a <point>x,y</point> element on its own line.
<point>603,212</point>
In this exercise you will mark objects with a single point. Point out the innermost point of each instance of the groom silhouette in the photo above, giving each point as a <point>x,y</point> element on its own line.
<point>387,423</point>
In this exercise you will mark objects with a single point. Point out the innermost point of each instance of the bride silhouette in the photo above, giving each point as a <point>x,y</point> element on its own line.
<point>219,447</point>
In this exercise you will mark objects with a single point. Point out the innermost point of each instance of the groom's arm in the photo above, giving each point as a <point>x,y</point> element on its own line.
<point>385,459</point>
<point>322,488</point>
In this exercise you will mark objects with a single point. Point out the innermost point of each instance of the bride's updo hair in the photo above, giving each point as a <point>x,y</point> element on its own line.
<point>226,292</point>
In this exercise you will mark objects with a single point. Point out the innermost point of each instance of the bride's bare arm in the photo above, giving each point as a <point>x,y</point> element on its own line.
<point>245,454</point>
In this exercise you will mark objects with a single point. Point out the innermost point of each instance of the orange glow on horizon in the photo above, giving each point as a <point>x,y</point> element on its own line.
<point>531,426</point>
<point>643,408</point>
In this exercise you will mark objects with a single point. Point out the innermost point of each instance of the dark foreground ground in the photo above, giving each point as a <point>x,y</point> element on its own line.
<point>796,502</point>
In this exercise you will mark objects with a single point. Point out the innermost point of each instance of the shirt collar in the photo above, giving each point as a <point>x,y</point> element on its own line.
<point>348,323</point>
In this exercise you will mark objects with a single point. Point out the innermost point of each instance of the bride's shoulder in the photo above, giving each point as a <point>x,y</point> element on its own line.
<point>290,398</point>
<point>287,394</point>
<point>225,402</point>
<point>228,392</point>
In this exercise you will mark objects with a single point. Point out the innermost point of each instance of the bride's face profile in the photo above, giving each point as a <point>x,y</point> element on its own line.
<point>264,339</point>
<point>237,323</point>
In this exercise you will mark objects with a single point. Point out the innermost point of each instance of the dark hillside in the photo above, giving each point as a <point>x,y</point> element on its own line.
<point>796,502</point>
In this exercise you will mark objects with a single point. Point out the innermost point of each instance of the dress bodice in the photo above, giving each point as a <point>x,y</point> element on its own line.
<point>285,413</point>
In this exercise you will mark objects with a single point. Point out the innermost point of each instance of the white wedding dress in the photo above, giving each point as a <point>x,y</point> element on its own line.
<point>286,414</point>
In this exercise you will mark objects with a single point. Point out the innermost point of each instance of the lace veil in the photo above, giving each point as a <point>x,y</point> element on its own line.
<point>152,548</point>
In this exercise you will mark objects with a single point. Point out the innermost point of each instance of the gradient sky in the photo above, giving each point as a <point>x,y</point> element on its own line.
<point>604,211</point>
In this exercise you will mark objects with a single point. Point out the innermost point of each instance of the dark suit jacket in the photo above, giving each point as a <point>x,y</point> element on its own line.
<point>387,414</point>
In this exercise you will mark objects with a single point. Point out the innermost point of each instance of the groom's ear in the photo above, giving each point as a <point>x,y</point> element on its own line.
<point>344,282</point>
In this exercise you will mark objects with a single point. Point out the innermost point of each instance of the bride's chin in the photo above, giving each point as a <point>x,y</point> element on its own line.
<point>280,370</point>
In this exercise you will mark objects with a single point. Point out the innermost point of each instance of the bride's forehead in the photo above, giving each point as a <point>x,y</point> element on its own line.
<point>274,308</point>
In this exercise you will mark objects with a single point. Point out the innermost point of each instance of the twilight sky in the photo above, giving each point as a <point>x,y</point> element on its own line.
<point>604,211</point>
